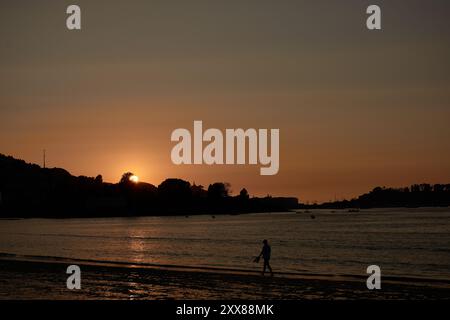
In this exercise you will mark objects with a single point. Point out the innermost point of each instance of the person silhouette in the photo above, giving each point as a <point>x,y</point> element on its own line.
<point>265,253</point>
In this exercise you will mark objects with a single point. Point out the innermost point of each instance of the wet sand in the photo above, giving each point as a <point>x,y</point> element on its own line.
<point>28,279</point>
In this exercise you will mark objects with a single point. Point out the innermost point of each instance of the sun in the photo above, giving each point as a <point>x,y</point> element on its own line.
<point>134,179</point>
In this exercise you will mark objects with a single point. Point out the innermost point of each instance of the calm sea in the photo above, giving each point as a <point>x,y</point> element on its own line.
<point>403,242</point>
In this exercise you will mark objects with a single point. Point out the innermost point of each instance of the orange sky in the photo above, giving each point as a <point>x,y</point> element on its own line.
<point>355,109</point>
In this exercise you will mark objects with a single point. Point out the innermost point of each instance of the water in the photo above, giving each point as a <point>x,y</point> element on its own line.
<point>403,242</point>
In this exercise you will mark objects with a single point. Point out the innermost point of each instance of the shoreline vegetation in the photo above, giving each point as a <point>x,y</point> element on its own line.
<point>415,196</point>
<point>30,191</point>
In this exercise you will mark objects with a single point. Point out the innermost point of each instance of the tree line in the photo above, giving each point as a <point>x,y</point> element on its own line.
<point>27,190</point>
<point>416,195</point>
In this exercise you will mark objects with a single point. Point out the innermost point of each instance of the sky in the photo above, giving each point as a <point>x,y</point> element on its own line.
<point>355,108</point>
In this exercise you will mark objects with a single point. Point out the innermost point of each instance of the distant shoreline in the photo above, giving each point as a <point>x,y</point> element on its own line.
<point>133,215</point>
<point>303,210</point>
<point>352,209</point>
<point>29,191</point>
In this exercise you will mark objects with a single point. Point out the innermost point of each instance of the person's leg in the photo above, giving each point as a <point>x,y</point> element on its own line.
<point>270,268</point>
<point>264,266</point>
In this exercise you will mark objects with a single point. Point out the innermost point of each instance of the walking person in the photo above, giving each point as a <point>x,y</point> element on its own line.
<point>265,253</point>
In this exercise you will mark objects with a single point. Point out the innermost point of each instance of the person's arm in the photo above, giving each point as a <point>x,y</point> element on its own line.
<point>261,253</point>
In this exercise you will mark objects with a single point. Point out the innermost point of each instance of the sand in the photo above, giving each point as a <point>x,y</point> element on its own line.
<point>35,279</point>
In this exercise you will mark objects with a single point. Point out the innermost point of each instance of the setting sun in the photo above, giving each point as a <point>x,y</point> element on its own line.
<point>134,179</point>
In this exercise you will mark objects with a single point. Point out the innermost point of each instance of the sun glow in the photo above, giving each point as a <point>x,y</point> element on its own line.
<point>134,179</point>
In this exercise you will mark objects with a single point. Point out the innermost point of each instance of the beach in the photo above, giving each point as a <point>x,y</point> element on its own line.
<point>33,278</point>
<point>201,257</point>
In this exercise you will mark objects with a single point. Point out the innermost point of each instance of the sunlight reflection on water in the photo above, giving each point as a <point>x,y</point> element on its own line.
<point>406,242</point>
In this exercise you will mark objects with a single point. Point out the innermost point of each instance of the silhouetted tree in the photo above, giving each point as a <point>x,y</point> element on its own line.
<point>174,190</point>
<point>243,195</point>
<point>218,190</point>
<point>126,178</point>
<point>198,191</point>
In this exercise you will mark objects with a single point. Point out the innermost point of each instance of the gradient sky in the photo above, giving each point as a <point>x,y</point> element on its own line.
<point>355,108</point>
